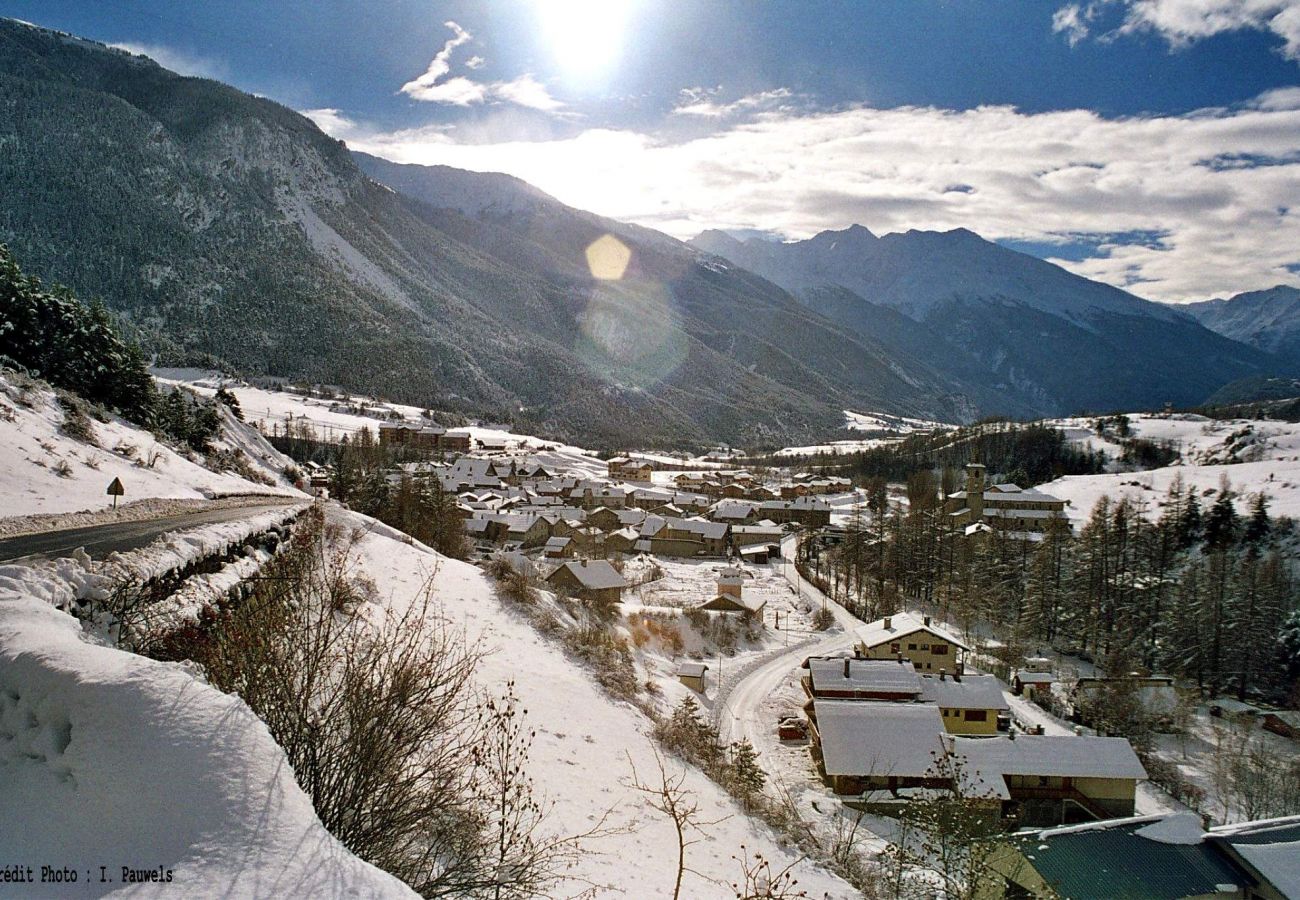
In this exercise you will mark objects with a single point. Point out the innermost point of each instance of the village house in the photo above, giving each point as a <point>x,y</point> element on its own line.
<point>588,579</point>
<point>1006,508</point>
<point>854,678</point>
<point>763,534</point>
<point>810,512</point>
<point>416,437</point>
<point>929,647</point>
<point>628,469</point>
<point>734,512</point>
<point>559,548</point>
<point>867,745</point>
<point>622,541</point>
<point>731,595</point>
<point>671,536</point>
<point>968,704</point>
<point>1052,779</point>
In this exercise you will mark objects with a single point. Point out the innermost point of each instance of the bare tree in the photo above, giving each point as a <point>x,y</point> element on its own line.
<point>668,795</point>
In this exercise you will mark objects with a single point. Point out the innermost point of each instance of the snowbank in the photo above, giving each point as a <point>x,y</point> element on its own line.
<point>43,470</point>
<point>113,760</point>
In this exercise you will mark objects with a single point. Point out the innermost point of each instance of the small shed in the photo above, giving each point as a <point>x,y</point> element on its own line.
<point>691,674</point>
<point>1032,684</point>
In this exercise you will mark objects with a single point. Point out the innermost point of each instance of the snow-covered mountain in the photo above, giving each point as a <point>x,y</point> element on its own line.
<point>1046,340</point>
<point>1269,320</point>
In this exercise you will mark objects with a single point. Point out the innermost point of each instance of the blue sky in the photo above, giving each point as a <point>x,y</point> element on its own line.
<point>1154,144</point>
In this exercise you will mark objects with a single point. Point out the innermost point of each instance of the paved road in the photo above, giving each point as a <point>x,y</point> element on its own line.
<point>101,540</point>
<point>742,716</point>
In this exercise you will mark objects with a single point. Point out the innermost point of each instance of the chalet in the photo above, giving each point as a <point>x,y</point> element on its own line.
<point>810,512</point>
<point>492,444</point>
<point>455,440</point>
<point>613,519</point>
<point>417,437</point>
<point>726,603</point>
<point>853,678</point>
<point>621,541</point>
<point>968,704</point>
<point>734,512</point>
<point>929,647</point>
<point>691,674</point>
<point>865,745</point>
<point>559,548</point>
<point>671,536</point>
<point>1003,507</point>
<point>762,533</point>
<point>590,579</point>
<point>1051,779</point>
<point>628,469</point>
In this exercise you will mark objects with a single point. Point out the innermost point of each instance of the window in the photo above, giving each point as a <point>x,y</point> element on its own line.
<point>977,715</point>
<point>925,646</point>
<point>893,648</point>
<point>911,646</point>
<point>939,649</point>
<point>1043,780</point>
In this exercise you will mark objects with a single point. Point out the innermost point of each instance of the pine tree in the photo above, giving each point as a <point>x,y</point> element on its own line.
<point>1258,525</point>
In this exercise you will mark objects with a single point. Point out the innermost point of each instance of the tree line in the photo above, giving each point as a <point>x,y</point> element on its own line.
<point>1197,590</point>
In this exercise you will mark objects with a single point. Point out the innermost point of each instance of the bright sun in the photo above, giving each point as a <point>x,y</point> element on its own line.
<point>586,36</point>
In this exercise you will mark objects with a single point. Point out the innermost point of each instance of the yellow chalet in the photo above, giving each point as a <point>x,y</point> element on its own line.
<point>968,704</point>
<point>929,647</point>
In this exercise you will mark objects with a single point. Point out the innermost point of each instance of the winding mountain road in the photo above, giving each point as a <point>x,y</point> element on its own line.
<point>742,717</point>
<point>101,540</point>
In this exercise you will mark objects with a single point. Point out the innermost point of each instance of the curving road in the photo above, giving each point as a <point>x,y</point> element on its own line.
<point>743,717</point>
<point>101,540</point>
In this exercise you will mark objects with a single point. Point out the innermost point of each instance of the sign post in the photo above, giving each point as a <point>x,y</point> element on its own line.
<point>115,490</point>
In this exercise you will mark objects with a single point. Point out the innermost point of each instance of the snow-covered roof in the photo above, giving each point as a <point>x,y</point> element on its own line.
<point>1035,677</point>
<point>873,634</point>
<point>884,738</point>
<point>592,574</point>
<point>692,669</point>
<point>971,692</point>
<point>865,675</point>
<point>989,760</point>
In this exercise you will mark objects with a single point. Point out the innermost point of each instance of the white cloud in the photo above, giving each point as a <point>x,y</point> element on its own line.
<point>526,91</point>
<point>1182,22</point>
<point>1072,21</point>
<point>426,86</point>
<point>1220,187</point>
<point>179,61</point>
<point>703,102</point>
<point>434,86</point>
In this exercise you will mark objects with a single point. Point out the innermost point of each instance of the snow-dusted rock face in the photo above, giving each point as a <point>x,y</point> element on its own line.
<point>1269,320</point>
<point>1040,340</point>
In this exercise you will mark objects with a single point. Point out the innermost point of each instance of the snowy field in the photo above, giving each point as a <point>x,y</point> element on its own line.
<point>1253,455</point>
<point>886,422</point>
<point>43,470</point>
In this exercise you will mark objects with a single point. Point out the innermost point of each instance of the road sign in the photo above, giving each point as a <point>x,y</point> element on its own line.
<point>115,490</point>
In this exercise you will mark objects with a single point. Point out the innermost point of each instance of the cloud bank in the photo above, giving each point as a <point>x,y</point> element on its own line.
<point>1182,22</point>
<point>1173,208</point>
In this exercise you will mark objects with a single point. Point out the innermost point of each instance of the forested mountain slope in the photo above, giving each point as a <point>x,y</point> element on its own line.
<point>229,230</point>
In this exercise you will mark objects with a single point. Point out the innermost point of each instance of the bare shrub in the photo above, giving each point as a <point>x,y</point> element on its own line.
<point>76,421</point>
<point>62,469</point>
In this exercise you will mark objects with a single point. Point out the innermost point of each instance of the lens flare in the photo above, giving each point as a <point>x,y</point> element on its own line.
<point>630,333</point>
<point>607,258</point>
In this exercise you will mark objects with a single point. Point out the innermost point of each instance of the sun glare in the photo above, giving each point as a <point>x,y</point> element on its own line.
<point>586,36</point>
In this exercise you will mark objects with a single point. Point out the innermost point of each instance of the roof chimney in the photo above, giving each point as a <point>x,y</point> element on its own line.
<point>943,674</point>
<point>1011,733</point>
<point>846,667</point>
<point>926,620</point>
<point>888,620</point>
<point>1078,731</point>
<point>584,562</point>
<point>956,675</point>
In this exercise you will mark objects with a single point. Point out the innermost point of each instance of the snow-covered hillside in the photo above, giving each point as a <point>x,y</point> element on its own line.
<point>43,469</point>
<point>1254,456</point>
<point>111,759</point>
<point>587,745</point>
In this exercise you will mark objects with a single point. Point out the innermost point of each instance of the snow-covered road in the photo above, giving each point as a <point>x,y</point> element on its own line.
<point>742,714</point>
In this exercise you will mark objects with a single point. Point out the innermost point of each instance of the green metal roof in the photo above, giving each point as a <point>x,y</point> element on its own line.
<point>1111,862</point>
